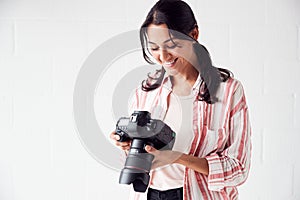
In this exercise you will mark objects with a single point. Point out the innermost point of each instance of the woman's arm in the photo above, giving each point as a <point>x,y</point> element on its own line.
<point>165,157</point>
<point>198,164</point>
<point>229,167</point>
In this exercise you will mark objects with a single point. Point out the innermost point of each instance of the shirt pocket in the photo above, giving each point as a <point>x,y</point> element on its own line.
<point>215,140</point>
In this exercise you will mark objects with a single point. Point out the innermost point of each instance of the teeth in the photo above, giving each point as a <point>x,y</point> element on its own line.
<point>168,63</point>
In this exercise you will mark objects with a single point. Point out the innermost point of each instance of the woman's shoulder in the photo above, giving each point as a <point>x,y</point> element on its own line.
<point>232,87</point>
<point>231,83</point>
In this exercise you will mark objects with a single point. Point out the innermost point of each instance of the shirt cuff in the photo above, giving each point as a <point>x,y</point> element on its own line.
<point>215,174</point>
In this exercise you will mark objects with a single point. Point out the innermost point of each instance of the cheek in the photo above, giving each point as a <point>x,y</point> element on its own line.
<point>155,55</point>
<point>185,52</point>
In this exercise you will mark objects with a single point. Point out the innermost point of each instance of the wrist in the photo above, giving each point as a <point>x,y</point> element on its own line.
<point>180,159</point>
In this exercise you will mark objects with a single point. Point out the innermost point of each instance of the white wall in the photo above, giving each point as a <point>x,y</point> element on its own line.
<point>44,43</point>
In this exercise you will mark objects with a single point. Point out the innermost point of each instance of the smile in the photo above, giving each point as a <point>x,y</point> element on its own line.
<point>171,63</point>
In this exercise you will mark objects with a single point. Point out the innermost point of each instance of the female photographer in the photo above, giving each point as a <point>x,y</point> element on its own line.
<point>204,105</point>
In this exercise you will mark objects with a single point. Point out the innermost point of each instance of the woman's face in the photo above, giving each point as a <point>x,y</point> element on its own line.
<point>175,55</point>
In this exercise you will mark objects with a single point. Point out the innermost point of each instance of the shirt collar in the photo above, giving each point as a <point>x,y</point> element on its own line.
<point>166,83</point>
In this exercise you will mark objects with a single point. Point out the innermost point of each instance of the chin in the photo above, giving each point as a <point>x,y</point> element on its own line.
<point>171,72</point>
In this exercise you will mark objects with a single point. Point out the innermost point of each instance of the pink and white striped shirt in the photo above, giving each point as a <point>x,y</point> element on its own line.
<point>221,135</point>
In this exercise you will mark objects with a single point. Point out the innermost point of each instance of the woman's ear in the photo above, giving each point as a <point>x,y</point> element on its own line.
<point>195,33</point>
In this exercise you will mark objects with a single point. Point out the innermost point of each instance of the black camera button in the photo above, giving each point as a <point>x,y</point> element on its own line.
<point>153,125</point>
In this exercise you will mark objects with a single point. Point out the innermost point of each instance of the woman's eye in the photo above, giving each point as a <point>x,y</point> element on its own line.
<point>154,48</point>
<point>172,47</point>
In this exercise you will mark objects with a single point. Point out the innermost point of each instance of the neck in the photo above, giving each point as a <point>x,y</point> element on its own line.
<point>189,77</point>
<point>183,83</point>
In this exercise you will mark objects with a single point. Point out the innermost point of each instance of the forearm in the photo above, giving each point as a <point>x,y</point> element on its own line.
<point>198,164</point>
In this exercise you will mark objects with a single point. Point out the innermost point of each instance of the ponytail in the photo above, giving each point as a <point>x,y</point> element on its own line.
<point>211,76</point>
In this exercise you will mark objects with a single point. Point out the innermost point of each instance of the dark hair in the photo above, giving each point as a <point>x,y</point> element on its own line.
<point>180,20</point>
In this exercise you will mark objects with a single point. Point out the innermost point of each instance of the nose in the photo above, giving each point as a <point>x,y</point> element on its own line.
<point>164,55</point>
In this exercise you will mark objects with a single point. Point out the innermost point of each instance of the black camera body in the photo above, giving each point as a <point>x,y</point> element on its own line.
<point>142,130</point>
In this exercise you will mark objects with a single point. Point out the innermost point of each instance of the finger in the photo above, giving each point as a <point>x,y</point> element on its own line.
<point>122,144</point>
<point>150,149</point>
<point>114,136</point>
<point>125,148</point>
<point>117,137</point>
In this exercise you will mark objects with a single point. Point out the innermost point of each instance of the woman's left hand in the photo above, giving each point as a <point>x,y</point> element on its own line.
<point>163,157</point>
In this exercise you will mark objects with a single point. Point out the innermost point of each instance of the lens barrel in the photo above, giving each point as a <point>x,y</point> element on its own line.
<point>137,166</point>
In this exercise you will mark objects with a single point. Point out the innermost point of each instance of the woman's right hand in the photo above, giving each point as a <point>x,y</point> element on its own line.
<point>122,145</point>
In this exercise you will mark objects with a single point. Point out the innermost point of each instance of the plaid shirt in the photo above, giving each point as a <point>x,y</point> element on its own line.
<point>221,135</point>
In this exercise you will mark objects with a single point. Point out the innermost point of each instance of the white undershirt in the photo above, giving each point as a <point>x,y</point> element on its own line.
<point>180,118</point>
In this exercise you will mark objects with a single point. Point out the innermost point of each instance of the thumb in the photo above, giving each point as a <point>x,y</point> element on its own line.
<point>149,149</point>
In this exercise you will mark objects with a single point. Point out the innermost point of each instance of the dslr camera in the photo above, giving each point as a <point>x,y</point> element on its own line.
<point>142,130</point>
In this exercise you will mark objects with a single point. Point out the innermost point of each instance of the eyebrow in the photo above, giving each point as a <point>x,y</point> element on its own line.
<point>163,42</point>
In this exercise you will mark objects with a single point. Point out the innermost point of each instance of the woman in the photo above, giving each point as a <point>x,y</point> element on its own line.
<point>204,105</point>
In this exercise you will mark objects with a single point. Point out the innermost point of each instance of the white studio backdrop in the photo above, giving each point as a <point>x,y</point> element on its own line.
<point>43,45</point>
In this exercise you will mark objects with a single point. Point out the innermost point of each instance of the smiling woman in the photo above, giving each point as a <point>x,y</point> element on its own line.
<point>204,105</point>
<point>175,55</point>
<point>174,34</point>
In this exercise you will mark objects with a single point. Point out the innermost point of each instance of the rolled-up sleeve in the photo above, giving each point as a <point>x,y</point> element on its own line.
<point>230,167</point>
